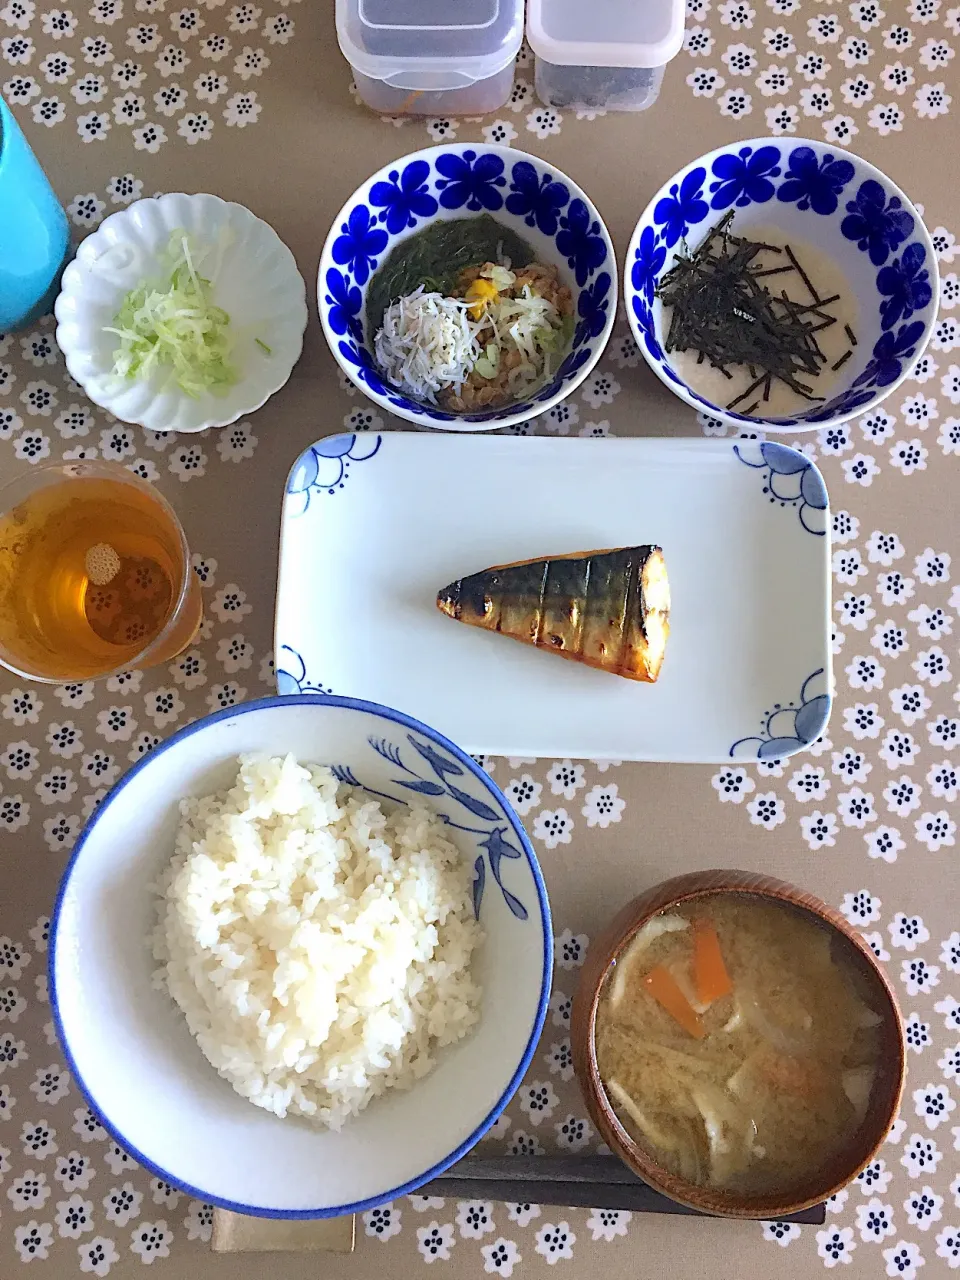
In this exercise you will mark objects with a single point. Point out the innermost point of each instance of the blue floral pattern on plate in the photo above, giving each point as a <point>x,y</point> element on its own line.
<point>791,479</point>
<point>745,177</point>
<point>877,224</point>
<point>890,352</point>
<point>581,241</point>
<point>682,208</point>
<point>847,206</point>
<point>344,301</point>
<point>325,467</point>
<point>461,180</point>
<point>815,181</point>
<point>648,261</point>
<point>791,727</point>
<point>470,181</point>
<point>538,198</point>
<point>447,783</point>
<point>905,284</point>
<point>291,673</point>
<point>593,308</point>
<point>404,198</point>
<point>359,244</point>
<point>495,844</point>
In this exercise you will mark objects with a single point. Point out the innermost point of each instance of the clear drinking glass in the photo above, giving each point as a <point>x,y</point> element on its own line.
<point>95,574</point>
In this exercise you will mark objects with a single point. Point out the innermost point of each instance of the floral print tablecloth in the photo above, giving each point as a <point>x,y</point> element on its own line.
<point>130,97</point>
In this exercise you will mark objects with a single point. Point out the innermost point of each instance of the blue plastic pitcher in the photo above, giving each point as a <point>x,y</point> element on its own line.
<point>34,235</point>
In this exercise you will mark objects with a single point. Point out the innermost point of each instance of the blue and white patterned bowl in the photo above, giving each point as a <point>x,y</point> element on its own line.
<point>524,193</point>
<point>822,195</point>
<point>128,1046</point>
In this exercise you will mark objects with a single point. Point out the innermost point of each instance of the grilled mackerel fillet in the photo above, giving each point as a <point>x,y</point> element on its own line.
<point>608,609</point>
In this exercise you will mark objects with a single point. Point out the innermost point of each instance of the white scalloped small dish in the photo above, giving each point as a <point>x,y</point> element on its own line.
<point>257,283</point>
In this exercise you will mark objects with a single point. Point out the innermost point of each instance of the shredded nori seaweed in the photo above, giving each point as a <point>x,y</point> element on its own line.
<point>722,312</point>
<point>435,256</point>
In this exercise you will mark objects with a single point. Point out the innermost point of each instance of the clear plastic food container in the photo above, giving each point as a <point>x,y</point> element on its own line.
<point>603,55</point>
<point>431,57</point>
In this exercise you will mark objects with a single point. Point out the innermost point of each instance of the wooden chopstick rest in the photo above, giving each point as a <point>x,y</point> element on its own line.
<point>239,1233</point>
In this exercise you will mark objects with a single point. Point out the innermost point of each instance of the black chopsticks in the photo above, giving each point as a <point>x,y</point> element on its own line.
<point>590,1182</point>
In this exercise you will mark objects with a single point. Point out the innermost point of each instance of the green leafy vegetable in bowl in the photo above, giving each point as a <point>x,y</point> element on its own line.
<point>176,324</point>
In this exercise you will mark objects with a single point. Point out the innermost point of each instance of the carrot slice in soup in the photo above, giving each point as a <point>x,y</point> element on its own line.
<point>662,985</point>
<point>801,1077</point>
<point>709,972</point>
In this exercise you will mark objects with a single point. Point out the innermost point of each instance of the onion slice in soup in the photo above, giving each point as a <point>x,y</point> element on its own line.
<point>775,1033</point>
<point>687,1152</point>
<point>650,932</point>
<point>730,1132</point>
<point>858,1086</point>
<point>652,1132</point>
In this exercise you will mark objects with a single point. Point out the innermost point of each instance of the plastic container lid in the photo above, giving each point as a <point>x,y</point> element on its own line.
<point>605,33</point>
<point>430,44</point>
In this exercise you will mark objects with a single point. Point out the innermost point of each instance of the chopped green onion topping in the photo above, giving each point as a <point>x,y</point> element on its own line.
<point>177,326</point>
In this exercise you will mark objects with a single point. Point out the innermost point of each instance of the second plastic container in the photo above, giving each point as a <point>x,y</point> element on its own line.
<point>607,55</point>
<point>431,57</point>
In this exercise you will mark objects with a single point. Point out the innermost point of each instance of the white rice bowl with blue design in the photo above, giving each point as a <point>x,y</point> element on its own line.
<point>820,196</point>
<point>129,1046</point>
<point>522,192</point>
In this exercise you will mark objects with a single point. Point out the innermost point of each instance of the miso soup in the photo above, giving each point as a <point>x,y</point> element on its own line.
<point>737,1043</point>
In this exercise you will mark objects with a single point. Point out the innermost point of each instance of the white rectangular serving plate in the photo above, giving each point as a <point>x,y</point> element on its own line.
<point>373,526</point>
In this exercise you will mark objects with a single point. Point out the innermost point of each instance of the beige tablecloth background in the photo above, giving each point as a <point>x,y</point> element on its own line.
<point>254,102</point>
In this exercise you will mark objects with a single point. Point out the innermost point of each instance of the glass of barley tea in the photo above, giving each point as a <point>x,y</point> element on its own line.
<point>95,574</point>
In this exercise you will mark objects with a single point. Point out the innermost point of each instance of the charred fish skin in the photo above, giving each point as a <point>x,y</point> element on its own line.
<point>563,604</point>
<point>607,609</point>
<point>449,600</point>
<point>480,601</point>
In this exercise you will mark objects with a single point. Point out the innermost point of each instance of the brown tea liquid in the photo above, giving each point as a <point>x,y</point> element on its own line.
<point>92,572</point>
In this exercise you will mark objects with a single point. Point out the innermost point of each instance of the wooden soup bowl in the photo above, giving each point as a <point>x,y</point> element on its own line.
<point>887,1089</point>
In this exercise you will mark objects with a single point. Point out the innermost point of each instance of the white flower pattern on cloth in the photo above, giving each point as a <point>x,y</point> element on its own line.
<point>574,1133</point>
<point>874,1220</point>
<point>570,949</point>
<point>474,1219</point>
<point>559,1060</point>
<point>382,1223</point>
<point>921,1156</point>
<point>603,805</point>
<point>538,1101</point>
<point>781,1233</point>
<point>554,1242</point>
<point>97,1256</point>
<point>33,1240</point>
<point>435,1241</point>
<point>819,829</point>
<point>835,1245</point>
<point>733,784</point>
<point>424,1203</point>
<point>767,810</point>
<point>151,1240</point>
<point>903,1259</point>
<point>553,827</point>
<point>522,1143</point>
<point>933,1104</point>
<point>565,779</point>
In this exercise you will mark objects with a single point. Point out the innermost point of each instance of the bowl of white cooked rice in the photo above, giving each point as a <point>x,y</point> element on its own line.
<point>300,958</point>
